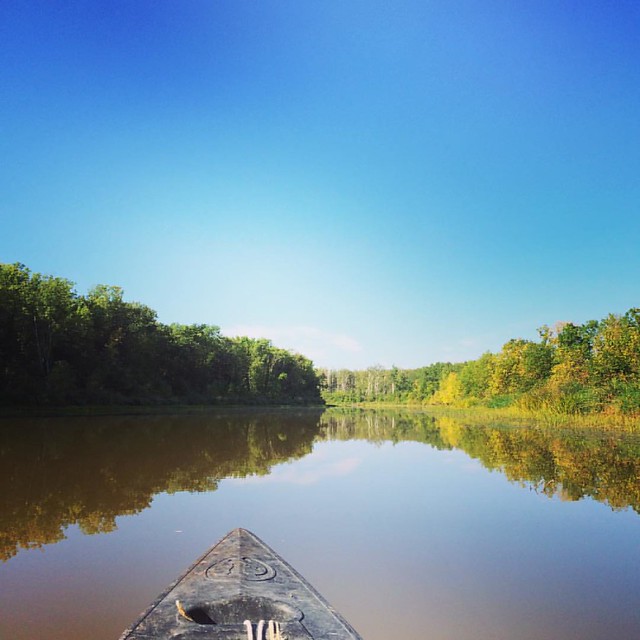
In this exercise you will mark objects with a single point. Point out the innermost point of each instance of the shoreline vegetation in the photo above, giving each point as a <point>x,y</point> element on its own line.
<point>62,349</point>
<point>506,416</point>
<point>588,374</point>
<point>62,353</point>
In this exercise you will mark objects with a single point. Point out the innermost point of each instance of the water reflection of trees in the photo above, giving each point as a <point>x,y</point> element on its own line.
<point>57,472</point>
<point>570,463</point>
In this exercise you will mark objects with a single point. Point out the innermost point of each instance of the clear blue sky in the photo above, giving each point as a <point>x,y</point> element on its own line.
<point>367,182</point>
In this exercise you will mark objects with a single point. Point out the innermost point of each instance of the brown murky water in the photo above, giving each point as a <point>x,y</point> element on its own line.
<point>411,526</point>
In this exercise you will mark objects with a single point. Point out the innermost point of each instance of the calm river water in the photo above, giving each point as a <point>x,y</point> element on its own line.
<point>412,526</point>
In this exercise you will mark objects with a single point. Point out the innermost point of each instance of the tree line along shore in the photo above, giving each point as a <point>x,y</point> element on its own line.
<point>60,348</point>
<point>590,368</point>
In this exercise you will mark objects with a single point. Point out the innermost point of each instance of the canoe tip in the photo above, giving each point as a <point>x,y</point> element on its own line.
<point>240,532</point>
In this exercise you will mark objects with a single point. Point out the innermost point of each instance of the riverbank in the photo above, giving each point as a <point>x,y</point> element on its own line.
<point>470,415</point>
<point>513,415</point>
<point>144,410</point>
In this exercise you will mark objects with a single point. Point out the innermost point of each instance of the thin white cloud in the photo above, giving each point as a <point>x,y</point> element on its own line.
<point>312,342</point>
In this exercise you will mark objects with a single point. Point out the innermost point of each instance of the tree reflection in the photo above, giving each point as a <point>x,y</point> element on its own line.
<point>569,463</point>
<point>57,472</point>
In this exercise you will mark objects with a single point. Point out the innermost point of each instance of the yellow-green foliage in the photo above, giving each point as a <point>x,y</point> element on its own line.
<point>571,370</point>
<point>450,390</point>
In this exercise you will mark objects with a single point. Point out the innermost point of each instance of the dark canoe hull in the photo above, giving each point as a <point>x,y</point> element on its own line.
<point>240,579</point>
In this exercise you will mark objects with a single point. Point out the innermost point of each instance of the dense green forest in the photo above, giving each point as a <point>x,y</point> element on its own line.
<point>572,369</point>
<point>59,348</point>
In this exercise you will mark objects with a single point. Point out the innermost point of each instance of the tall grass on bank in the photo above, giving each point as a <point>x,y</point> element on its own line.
<point>509,411</point>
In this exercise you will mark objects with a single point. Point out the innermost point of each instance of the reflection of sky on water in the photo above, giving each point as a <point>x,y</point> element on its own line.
<point>324,462</point>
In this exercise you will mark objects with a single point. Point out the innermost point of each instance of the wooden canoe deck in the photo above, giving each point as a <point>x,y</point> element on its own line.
<point>240,579</point>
